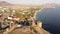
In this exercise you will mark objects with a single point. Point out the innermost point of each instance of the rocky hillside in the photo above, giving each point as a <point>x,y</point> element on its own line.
<point>29,30</point>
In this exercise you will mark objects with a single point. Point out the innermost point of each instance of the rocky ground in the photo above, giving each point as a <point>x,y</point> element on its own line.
<point>29,30</point>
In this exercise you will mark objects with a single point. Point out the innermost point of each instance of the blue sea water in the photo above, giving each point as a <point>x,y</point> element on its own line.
<point>50,18</point>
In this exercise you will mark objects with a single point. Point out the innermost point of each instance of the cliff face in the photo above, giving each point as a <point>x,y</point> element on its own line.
<point>29,30</point>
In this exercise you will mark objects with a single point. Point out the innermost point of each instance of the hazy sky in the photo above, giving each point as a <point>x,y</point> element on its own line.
<point>37,2</point>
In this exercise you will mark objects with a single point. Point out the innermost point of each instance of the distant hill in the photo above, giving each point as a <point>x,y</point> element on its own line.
<point>7,4</point>
<point>3,3</point>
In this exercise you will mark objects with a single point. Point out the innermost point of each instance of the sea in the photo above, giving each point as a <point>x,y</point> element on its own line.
<point>50,18</point>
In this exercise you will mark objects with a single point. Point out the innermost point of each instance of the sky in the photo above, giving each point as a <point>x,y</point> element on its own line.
<point>36,2</point>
